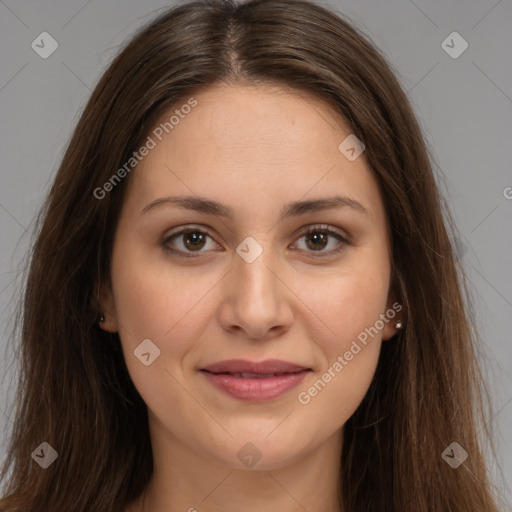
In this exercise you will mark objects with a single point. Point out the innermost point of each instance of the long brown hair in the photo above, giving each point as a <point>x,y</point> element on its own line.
<point>75,392</point>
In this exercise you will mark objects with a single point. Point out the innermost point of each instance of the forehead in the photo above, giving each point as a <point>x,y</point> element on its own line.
<point>237,141</point>
<point>276,120</point>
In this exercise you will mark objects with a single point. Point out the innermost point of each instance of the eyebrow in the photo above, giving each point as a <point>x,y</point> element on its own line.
<point>294,209</point>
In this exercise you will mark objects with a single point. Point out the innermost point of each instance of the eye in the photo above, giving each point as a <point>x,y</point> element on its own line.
<point>319,237</point>
<point>189,239</point>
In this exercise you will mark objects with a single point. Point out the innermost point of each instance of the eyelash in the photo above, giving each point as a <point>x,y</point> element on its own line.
<point>312,229</point>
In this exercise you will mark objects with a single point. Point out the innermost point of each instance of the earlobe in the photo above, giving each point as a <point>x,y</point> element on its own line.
<point>394,314</point>
<point>107,319</point>
<point>107,323</point>
<point>392,328</point>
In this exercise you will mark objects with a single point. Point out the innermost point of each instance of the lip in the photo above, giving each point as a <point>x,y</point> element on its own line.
<point>246,366</point>
<point>226,377</point>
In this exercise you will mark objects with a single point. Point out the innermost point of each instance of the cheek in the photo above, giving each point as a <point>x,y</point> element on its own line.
<point>159,300</point>
<point>350,351</point>
<point>349,307</point>
<point>331,398</point>
<point>164,305</point>
<point>347,301</point>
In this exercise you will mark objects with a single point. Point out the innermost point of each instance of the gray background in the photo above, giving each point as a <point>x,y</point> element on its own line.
<point>464,106</point>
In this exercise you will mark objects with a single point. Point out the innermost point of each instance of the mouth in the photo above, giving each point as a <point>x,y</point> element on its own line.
<point>269,367</point>
<point>247,375</point>
<point>255,382</point>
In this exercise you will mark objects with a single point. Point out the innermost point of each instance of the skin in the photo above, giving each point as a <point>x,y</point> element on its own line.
<point>254,149</point>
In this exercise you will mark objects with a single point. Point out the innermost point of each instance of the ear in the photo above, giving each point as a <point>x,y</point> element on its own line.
<point>394,313</point>
<point>106,306</point>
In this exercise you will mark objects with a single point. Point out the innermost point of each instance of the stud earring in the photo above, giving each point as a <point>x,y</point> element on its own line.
<point>398,325</point>
<point>102,318</point>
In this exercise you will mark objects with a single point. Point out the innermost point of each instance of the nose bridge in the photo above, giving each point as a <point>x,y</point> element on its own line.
<point>256,283</point>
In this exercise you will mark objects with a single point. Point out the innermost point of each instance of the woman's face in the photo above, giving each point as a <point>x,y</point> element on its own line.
<point>252,285</point>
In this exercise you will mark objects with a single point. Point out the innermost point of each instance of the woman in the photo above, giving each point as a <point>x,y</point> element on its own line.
<point>242,295</point>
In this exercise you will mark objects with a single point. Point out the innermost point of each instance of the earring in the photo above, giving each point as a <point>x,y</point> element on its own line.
<point>398,325</point>
<point>102,319</point>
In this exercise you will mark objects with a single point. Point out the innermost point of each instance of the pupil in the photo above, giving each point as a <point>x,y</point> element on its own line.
<point>196,237</point>
<point>317,238</point>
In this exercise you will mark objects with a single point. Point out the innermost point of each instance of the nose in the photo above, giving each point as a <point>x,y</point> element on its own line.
<point>256,300</point>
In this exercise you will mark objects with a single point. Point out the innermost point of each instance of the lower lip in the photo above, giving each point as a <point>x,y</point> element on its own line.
<point>253,389</point>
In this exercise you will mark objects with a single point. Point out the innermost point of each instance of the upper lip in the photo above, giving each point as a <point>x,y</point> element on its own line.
<point>245,366</point>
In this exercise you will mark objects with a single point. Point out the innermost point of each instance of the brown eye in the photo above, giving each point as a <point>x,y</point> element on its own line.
<point>317,238</point>
<point>187,240</point>
<point>194,239</point>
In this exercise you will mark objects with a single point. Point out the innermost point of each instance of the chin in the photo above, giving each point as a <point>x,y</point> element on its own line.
<point>262,453</point>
